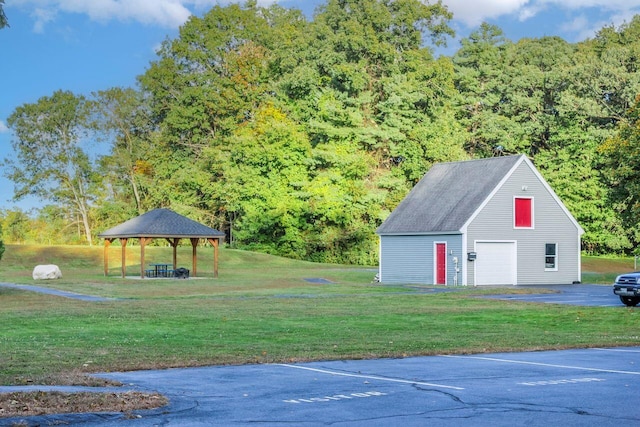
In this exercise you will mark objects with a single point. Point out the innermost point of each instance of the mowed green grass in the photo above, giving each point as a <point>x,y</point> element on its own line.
<point>260,309</point>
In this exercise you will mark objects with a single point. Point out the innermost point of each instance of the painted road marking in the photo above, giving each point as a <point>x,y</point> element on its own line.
<point>558,382</point>
<point>371,377</point>
<point>521,362</point>
<point>620,350</point>
<point>336,397</point>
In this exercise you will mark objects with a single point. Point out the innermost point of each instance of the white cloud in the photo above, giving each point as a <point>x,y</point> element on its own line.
<point>528,12</point>
<point>473,13</point>
<point>165,13</point>
<point>3,127</point>
<point>605,4</point>
<point>173,13</point>
<point>578,24</point>
<point>42,17</point>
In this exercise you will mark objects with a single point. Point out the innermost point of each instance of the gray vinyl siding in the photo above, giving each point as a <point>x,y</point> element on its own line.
<point>550,225</point>
<point>410,259</point>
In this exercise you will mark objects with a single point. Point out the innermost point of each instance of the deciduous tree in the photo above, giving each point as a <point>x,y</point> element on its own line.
<point>50,161</point>
<point>622,158</point>
<point>122,118</point>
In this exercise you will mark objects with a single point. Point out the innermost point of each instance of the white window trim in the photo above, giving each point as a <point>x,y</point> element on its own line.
<point>555,256</point>
<point>533,218</point>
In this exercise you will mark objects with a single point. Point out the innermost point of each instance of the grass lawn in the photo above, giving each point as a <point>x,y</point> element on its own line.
<point>260,309</point>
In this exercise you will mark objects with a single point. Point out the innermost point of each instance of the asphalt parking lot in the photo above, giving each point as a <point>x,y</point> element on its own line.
<point>586,387</point>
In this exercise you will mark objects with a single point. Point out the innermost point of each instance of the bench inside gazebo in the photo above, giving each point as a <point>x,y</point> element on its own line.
<point>161,224</point>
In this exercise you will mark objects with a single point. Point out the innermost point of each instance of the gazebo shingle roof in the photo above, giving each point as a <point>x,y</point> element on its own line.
<point>161,223</point>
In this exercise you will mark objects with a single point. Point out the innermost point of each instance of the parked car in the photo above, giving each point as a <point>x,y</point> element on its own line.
<point>627,287</point>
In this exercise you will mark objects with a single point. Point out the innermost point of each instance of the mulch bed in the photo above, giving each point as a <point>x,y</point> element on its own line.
<point>25,404</point>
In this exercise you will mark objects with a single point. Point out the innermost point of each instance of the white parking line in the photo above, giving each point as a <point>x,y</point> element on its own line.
<point>522,362</point>
<point>371,377</point>
<point>619,350</point>
<point>562,382</point>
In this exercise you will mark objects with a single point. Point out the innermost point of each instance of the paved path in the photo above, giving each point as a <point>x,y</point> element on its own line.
<point>590,387</point>
<point>56,292</point>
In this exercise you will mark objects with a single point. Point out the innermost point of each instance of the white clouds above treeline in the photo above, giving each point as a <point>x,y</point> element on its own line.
<point>474,12</point>
<point>164,13</point>
<point>582,15</point>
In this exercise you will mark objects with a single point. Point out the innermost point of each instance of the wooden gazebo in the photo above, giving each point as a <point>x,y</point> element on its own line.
<point>161,224</point>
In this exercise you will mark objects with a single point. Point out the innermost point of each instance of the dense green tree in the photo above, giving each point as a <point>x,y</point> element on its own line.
<point>622,160</point>
<point>207,84</point>
<point>123,119</point>
<point>50,162</point>
<point>265,172</point>
<point>357,83</point>
<point>15,225</point>
<point>209,80</point>
<point>600,87</point>
<point>371,64</point>
<point>376,107</point>
<point>479,66</point>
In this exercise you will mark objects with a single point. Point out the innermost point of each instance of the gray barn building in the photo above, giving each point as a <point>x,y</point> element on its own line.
<point>492,221</point>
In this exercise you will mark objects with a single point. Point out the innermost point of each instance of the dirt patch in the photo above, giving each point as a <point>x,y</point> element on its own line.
<point>26,404</point>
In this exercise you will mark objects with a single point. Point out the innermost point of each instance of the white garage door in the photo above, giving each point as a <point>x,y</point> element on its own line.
<point>496,263</point>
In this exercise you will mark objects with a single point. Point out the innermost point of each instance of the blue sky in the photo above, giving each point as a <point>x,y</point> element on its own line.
<point>90,45</point>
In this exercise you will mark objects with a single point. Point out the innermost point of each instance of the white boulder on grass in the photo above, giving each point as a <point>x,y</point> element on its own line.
<point>46,272</point>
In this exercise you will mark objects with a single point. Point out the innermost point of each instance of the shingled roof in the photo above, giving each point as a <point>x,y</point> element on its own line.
<point>448,195</point>
<point>161,223</point>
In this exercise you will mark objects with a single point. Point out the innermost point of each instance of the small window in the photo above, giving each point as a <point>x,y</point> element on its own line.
<point>523,212</point>
<point>551,257</point>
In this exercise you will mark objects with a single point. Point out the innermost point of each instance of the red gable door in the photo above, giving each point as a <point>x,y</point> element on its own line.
<point>523,213</point>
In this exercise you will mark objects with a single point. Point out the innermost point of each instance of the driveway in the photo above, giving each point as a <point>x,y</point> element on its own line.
<point>583,295</point>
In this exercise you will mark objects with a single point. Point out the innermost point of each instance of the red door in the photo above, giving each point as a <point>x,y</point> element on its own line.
<point>441,263</point>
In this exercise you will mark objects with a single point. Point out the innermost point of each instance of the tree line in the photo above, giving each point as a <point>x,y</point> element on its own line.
<point>298,136</point>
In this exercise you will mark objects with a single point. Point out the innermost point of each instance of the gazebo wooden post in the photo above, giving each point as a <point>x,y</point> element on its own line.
<point>215,243</point>
<point>107,243</point>
<point>123,244</point>
<point>143,242</point>
<point>174,245</point>
<point>194,262</point>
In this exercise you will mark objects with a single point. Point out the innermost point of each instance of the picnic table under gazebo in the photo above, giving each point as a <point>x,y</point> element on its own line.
<point>161,224</point>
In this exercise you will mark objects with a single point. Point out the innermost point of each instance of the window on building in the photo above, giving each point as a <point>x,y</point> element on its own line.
<point>523,212</point>
<point>551,256</point>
